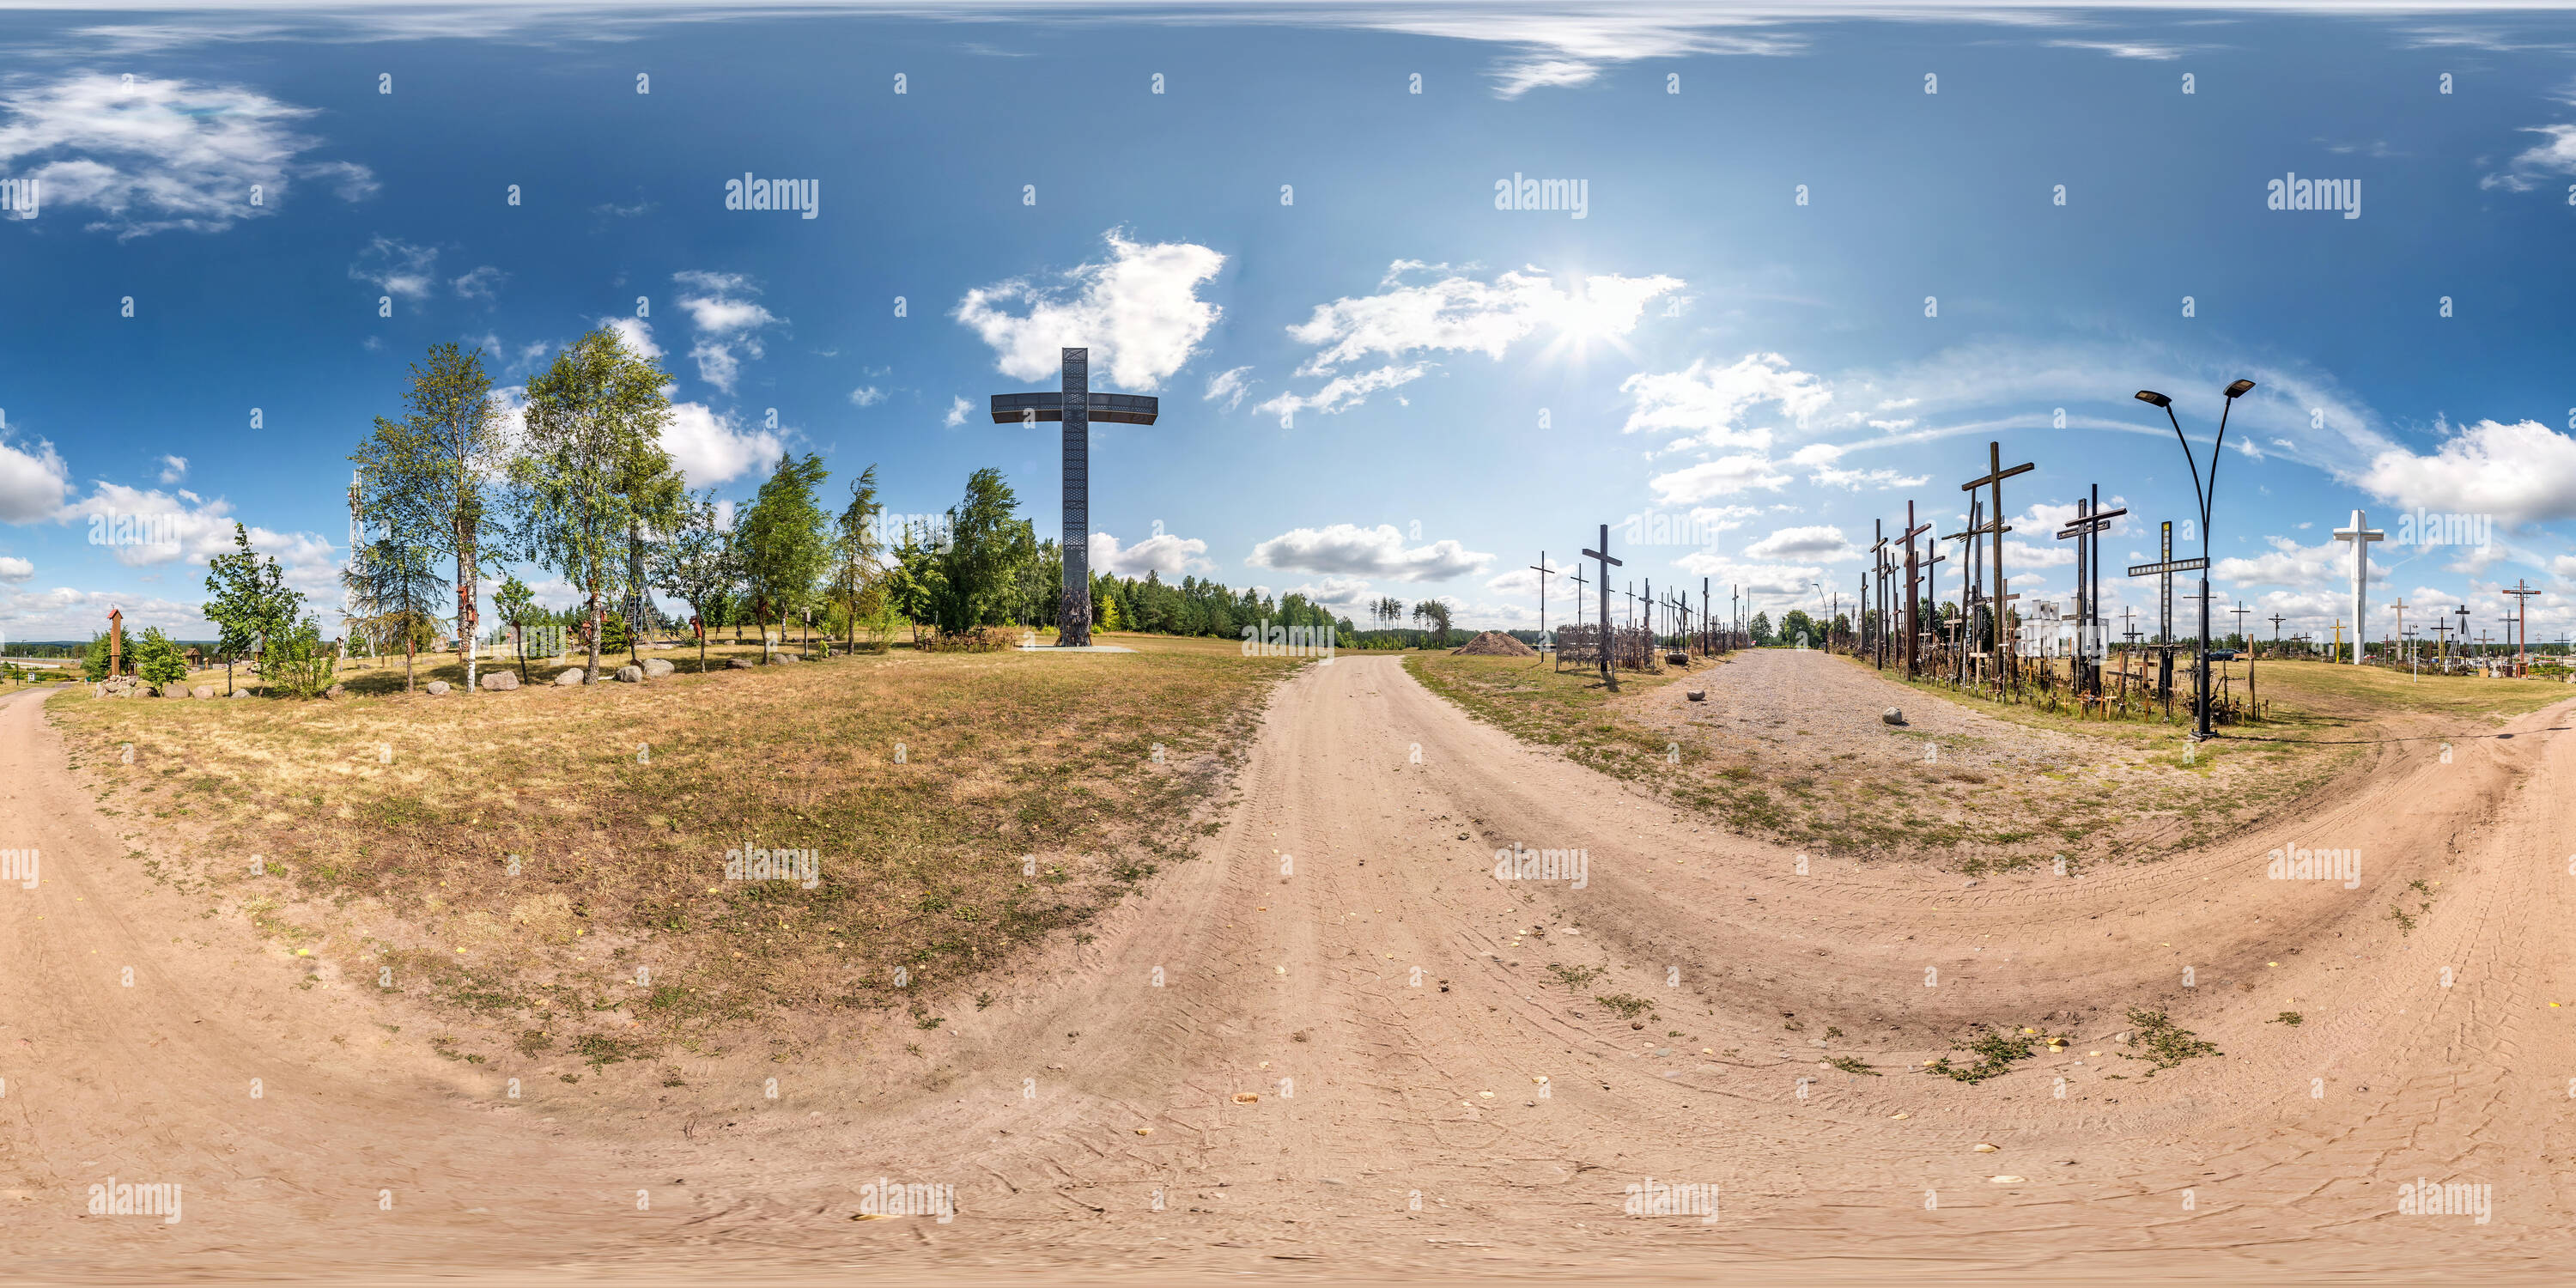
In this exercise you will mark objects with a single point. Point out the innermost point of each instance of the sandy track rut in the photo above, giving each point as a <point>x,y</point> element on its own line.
<point>1031,1109</point>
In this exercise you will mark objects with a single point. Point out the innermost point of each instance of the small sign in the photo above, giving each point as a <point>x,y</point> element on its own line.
<point>2170,565</point>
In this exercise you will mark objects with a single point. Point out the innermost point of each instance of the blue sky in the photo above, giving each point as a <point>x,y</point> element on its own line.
<point>1373,380</point>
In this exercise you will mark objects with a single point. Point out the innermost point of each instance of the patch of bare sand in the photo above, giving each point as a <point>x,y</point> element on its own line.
<point>1953,783</point>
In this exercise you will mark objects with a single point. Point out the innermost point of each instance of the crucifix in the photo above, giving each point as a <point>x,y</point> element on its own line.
<point>1077,407</point>
<point>1913,608</point>
<point>1578,602</point>
<point>1606,563</point>
<point>1879,601</point>
<point>2276,620</point>
<point>2522,594</point>
<point>2090,521</point>
<point>1994,479</point>
<point>1543,571</point>
<point>2360,537</point>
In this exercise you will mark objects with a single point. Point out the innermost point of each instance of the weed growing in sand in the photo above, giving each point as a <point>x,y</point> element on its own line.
<point>1853,1064</point>
<point>2290,1018</point>
<point>1628,1005</point>
<point>1995,1054</point>
<point>2167,1044</point>
<point>1574,977</point>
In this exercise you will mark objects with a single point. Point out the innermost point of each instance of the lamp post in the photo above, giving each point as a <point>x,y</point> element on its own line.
<point>2203,493</point>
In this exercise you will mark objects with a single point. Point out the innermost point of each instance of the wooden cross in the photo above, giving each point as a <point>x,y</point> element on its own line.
<point>115,638</point>
<point>1543,572</point>
<point>2090,520</point>
<point>2275,619</point>
<point>1077,407</point>
<point>1994,479</point>
<point>1913,609</point>
<point>1606,563</point>
<point>1878,602</point>
<point>2522,594</point>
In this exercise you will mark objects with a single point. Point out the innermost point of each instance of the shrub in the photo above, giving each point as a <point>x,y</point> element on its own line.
<point>299,662</point>
<point>157,660</point>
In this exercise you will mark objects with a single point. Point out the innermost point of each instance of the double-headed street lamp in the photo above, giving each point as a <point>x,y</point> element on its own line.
<point>2204,494</point>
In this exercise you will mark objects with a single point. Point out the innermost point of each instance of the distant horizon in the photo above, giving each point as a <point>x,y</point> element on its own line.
<point>1346,255</point>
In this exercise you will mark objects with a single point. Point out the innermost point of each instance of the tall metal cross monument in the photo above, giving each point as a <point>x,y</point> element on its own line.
<point>1077,407</point>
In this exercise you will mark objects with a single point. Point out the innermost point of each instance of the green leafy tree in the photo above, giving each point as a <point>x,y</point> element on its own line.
<point>427,478</point>
<point>251,600</point>
<point>857,549</point>
<point>157,660</point>
<point>1795,624</point>
<point>698,566</point>
<point>783,540</point>
<point>1760,630</point>
<point>94,662</point>
<point>590,416</point>
<point>517,606</point>
<point>392,583</point>
<point>657,497</point>
<point>988,543</point>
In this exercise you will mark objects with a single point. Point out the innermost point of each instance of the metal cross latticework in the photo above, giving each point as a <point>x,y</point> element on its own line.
<point>1076,406</point>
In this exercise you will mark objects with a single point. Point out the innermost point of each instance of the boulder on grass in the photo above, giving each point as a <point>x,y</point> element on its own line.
<point>1892,716</point>
<point>655,668</point>
<point>438,688</point>
<point>202,691</point>
<point>499,681</point>
<point>738,664</point>
<point>631,674</point>
<point>242,693</point>
<point>336,691</point>
<point>572,675</point>
<point>1698,695</point>
<point>782,659</point>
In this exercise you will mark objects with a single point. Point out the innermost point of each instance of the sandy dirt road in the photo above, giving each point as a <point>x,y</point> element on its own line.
<point>1344,953</point>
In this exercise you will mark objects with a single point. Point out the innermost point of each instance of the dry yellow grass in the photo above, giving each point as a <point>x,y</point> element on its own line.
<point>958,805</point>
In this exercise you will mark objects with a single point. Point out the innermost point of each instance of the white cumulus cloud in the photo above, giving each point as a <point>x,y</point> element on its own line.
<point>1350,550</point>
<point>1171,556</point>
<point>163,154</point>
<point>1454,313</point>
<point>33,481</point>
<point>728,323</point>
<point>710,448</point>
<point>1138,312</point>
<point>2521,473</point>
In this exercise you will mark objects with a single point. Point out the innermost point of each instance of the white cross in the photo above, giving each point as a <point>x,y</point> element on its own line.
<point>2360,537</point>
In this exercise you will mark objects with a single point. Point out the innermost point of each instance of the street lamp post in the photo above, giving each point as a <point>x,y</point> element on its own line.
<point>2203,493</point>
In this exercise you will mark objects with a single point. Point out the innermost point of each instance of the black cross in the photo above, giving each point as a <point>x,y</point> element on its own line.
<point>1606,563</point>
<point>1994,479</point>
<point>2090,520</point>
<point>1077,407</point>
